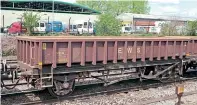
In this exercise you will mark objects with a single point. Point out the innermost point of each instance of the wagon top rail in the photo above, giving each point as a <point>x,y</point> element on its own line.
<point>103,37</point>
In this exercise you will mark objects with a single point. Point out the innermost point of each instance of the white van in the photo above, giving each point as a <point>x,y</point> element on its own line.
<point>40,27</point>
<point>127,30</point>
<point>82,26</point>
<point>73,29</point>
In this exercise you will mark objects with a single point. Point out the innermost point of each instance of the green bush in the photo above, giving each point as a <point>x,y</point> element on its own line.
<point>108,25</point>
<point>192,28</point>
<point>30,20</point>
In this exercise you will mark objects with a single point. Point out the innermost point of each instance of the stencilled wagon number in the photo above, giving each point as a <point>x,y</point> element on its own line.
<point>44,46</point>
<point>185,44</point>
<point>138,50</point>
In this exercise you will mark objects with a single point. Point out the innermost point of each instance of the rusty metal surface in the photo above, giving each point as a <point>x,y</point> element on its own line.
<point>38,51</point>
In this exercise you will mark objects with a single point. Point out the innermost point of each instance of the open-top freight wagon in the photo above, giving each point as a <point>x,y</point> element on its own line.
<point>56,62</point>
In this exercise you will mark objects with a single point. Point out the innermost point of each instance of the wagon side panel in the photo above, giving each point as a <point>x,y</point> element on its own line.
<point>62,52</point>
<point>47,52</point>
<point>148,49</point>
<point>195,47</point>
<point>130,50</point>
<point>155,49</point>
<point>120,50</point>
<point>89,50</point>
<point>110,50</point>
<point>163,49</point>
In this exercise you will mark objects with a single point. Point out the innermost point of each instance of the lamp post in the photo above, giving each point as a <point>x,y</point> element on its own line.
<point>48,19</point>
<point>69,26</point>
<point>53,14</point>
<point>3,21</point>
<point>88,25</point>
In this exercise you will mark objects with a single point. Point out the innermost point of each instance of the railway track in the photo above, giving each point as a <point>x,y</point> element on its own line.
<point>77,85</point>
<point>120,90</point>
<point>21,92</point>
<point>100,92</point>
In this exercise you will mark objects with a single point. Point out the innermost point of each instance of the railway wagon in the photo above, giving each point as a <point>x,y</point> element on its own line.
<point>56,62</point>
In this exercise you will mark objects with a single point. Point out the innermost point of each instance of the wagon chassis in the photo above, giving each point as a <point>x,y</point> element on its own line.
<point>61,77</point>
<point>142,70</point>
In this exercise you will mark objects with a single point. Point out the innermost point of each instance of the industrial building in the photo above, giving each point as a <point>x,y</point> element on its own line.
<point>150,23</point>
<point>48,10</point>
<point>68,13</point>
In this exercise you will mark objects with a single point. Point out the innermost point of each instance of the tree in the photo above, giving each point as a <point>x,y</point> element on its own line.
<point>173,27</point>
<point>30,20</point>
<point>116,7</point>
<point>108,25</point>
<point>192,28</point>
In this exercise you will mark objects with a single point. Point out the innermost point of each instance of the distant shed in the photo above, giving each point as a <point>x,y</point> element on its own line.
<point>11,11</point>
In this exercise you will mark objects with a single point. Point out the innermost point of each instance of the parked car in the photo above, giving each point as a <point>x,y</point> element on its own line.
<point>84,26</point>
<point>40,27</point>
<point>127,29</point>
<point>16,28</point>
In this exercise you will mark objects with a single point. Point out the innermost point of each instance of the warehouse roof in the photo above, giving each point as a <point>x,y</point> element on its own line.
<point>130,16</point>
<point>46,6</point>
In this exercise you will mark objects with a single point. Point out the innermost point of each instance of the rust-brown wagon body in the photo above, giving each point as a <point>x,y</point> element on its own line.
<point>59,60</point>
<point>39,51</point>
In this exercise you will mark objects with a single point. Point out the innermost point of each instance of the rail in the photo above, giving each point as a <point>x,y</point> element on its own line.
<point>153,85</point>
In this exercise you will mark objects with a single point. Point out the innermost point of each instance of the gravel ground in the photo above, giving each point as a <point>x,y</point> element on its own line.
<point>187,100</point>
<point>128,98</point>
<point>135,97</point>
<point>8,45</point>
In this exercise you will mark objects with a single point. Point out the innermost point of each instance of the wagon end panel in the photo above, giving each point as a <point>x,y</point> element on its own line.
<point>26,51</point>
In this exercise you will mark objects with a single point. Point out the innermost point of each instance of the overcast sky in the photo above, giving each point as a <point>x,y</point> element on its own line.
<point>184,8</point>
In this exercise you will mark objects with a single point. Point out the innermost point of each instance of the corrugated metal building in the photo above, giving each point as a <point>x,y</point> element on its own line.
<point>11,11</point>
<point>149,22</point>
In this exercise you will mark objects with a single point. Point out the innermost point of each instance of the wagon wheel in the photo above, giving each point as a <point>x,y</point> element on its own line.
<point>61,89</point>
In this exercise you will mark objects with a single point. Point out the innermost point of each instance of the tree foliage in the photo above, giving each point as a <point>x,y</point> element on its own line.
<point>108,25</point>
<point>30,20</point>
<point>169,28</point>
<point>116,7</point>
<point>174,27</point>
<point>192,28</point>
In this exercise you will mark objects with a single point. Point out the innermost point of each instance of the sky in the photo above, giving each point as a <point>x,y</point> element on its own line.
<point>183,8</point>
